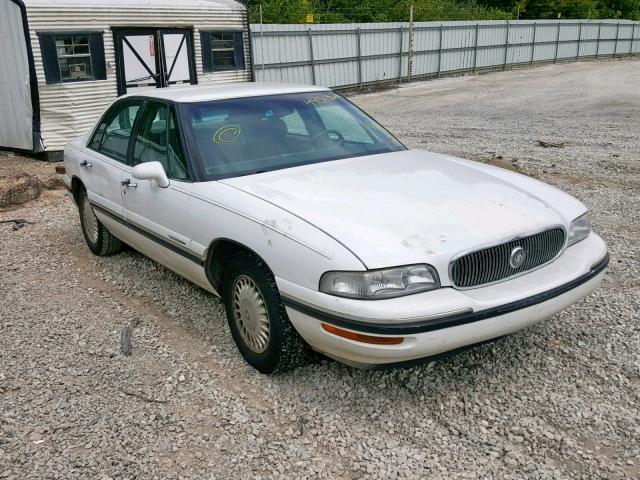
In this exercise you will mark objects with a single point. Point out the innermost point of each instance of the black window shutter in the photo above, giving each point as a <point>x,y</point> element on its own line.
<point>238,50</point>
<point>96,46</point>
<point>49,58</point>
<point>205,38</point>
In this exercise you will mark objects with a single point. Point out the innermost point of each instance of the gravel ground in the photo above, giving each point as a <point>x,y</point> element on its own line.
<point>558,400</point>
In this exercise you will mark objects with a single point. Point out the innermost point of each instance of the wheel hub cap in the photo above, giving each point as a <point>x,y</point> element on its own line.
<point>250,314</point>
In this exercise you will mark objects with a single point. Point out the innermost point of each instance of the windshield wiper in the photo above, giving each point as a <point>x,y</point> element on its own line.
<point>250,172</point>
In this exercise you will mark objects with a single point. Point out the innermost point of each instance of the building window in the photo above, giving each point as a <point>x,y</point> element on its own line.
<point>222,51</point>
<point>72,57</point>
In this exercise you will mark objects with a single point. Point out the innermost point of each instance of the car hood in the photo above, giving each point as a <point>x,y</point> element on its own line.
<point>412,206</point>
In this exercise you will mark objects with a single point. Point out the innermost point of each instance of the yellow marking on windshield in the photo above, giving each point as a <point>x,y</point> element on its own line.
<point>227,134</point>
<point>321,99</point>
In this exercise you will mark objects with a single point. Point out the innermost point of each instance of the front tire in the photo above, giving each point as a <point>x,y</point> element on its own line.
<point>99,240</point>
<point>257,318</point>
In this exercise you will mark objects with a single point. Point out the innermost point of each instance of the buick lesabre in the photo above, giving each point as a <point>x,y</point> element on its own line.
<point>319,229</point>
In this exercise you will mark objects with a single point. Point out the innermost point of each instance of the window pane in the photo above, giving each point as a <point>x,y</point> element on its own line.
<point>74,57</point>
<point>295,124</point>
<point>241,136</point>
<point>221,41</point>
<point>112,135</point>
<point>224,60</point>
<point>176,161</point>
<point>81,49</point>
<point>75,68</point>
<point>337,119</point>
<point>158,141</point>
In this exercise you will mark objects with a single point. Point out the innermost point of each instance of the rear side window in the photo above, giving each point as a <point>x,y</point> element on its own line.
<point>111,138</point>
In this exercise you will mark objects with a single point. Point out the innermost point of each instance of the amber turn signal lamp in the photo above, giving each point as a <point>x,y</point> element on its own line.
<point>359,337</point>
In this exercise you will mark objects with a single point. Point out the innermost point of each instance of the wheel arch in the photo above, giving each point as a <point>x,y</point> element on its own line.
<point>76,186</point>
<point>219,251</point>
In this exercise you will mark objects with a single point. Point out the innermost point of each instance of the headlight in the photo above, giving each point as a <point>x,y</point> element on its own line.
<point>579,229</point>
<point>378,284</point>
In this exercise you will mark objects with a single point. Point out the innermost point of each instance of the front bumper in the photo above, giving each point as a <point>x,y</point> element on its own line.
<point>445,319</point>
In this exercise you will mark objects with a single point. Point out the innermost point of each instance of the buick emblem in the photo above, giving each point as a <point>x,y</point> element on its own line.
<point>517,257</point>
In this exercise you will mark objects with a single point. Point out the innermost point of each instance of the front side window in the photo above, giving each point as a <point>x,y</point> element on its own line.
<point>250,135</point>
<point>111,137</point>
<point>157,140</point>
<point>72,57</point>
<point>222,51</point>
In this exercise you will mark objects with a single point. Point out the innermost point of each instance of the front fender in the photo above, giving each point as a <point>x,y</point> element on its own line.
<point>292,248</point>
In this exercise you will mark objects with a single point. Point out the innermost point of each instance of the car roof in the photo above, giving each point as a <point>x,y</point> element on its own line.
<point>198,93</point>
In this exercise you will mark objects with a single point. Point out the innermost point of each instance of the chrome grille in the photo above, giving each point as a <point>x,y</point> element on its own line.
<point>492,264</point>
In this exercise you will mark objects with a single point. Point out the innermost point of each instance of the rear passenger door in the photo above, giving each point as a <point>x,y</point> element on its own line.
<point>160,216</point>
<point>107,155</point>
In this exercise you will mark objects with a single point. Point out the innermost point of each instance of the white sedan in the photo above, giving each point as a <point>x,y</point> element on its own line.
<point>319,229</point>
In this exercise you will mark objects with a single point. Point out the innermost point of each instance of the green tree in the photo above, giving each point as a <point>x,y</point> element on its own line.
<point>325,11</point>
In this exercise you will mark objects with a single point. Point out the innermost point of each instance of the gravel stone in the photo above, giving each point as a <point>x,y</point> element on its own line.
<point>184,405</point>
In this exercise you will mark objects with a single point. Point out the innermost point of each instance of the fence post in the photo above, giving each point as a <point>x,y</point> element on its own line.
<point>400,60</point>
<point>262,42</point>
<point>533,44</point>
<point>311,56</point>
<point>475,50</point>
<point>410,52</point>
<point>506,48</point>
<point>615,47</point>
<point>555,60</point>
<point>440,50</point>
<point>633,36</point>
<point>579,40</point>
<point>359,58</point>
<point>598,42</point>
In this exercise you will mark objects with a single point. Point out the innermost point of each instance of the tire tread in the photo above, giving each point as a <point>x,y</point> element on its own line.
<point>107,243</point>
<point>293,351</point>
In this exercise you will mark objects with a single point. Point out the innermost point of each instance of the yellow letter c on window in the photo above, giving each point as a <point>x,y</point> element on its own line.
<point>227,134</point>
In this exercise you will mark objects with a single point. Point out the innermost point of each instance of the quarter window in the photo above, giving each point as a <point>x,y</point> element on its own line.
<point>72,57</point>
<point>222,51</point>
<point>111,138</point>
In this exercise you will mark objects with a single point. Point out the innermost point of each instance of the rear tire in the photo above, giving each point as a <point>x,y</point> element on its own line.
<point>99,240</point>
<point>257,318</point>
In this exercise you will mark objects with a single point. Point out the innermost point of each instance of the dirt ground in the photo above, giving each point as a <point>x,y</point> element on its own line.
<point>560,400</point>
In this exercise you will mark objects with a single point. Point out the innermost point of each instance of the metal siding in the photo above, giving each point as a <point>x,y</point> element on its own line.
<point>276,46</point>
<point>69,109</point>
<point>16,111</point>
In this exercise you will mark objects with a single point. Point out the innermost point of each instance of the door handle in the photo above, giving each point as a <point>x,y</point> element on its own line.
<point>84,164</point>
<point>127,183</point>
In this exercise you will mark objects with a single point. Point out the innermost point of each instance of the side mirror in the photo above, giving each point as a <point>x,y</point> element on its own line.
<point>151,171</point>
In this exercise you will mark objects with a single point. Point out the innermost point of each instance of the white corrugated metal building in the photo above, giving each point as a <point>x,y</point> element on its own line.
<point>63,61</point>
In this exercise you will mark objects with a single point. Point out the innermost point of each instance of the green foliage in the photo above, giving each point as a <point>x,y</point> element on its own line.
<point>340,11</point>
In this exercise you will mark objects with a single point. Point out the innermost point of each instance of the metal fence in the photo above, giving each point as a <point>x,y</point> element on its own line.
<point>349,55</point>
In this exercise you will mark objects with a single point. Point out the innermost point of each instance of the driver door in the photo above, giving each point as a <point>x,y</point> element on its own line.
<point>158,216</point>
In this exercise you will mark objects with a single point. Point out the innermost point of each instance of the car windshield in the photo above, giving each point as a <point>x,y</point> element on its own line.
<point>243,136</point>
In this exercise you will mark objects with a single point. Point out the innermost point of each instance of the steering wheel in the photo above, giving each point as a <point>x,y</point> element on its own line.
<point>328,134</point>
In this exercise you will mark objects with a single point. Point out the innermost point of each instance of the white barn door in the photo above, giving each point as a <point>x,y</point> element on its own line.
<point>153,58</point>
